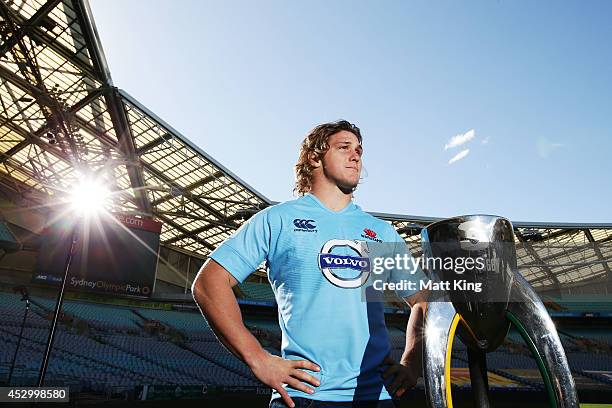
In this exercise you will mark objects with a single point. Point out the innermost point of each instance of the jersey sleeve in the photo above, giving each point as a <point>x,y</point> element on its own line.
<point>411,273</point>
<point>246,248</point>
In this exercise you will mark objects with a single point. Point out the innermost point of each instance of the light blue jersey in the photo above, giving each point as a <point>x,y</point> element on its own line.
<point>318,265</point>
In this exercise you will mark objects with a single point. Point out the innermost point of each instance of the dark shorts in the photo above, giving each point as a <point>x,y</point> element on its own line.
<point>308,403</point>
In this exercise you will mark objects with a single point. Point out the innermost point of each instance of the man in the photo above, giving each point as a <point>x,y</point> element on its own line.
<point>335,346</point>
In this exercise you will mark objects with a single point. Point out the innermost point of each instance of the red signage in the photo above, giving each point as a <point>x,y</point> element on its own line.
<point>139,223</point>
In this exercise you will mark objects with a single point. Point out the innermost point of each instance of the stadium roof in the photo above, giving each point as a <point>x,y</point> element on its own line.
<point>62,116</point>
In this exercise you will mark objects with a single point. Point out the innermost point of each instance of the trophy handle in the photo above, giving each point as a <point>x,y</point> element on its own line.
<point>528,314</point>
<point>441,321</point>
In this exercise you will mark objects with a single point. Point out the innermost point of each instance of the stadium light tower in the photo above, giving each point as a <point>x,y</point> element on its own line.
<point>87,200</point>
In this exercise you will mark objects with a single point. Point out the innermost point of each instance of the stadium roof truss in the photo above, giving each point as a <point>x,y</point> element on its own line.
<point>62,116</point>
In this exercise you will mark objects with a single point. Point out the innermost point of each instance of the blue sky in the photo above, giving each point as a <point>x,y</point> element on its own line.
<point>525,85</point>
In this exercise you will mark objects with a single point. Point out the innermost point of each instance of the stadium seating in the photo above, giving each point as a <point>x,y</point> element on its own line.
<point>584,303</point>
<point>188,321</point>
<point>182,364</point>
<point>117,351</point>
<point>266,324</point>
<point>12,310</point>
<point>101,316</point>
<point>257,291</point>
<point>74,358</point>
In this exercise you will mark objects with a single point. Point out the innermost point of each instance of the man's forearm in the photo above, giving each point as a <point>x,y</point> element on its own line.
<point>218,304</point>
<point>413,354</point>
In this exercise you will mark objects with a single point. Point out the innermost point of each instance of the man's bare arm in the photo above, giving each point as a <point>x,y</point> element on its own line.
<point>414,330</point>
<point>410,367</point>
<point>212,292</point>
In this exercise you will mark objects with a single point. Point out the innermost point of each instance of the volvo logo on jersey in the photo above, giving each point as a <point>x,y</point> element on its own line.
<point>341,269</point>
<point>305,225</point>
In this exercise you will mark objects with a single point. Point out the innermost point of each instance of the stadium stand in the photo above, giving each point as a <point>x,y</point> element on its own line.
<point>185,321</point>
<point>257,291</point>
<point>107,356</point>
<point>116,318</point>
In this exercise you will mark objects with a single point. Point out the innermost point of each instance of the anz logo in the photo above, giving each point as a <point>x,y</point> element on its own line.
<point>305,225</point>
<point>329,261</point>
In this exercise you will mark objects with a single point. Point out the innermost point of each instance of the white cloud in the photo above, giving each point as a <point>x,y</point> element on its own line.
<point>545,147</point>
<point>485,140</point>
<point>460,139</point>
<point>459,156</point>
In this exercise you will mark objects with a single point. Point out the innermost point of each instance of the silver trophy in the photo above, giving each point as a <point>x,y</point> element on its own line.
<point>481,319</point>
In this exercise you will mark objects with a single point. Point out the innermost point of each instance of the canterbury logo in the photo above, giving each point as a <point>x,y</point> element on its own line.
<point>304,224</point>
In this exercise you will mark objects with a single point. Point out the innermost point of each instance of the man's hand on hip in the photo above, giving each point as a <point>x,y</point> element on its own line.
<point>275,371</point>
<point>405,376</point>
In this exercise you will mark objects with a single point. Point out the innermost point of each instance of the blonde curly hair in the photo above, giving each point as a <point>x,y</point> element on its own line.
<point>316,142</point>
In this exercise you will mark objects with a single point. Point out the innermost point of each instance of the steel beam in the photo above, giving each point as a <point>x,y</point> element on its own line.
<point>535,256</point>
<point>196,200</point>
<point>591,239</point>
<point>92,40</point>
<point>42,37</point>
<point>185,232</point>
<point>187,190</point>
<point>28,139</point>
<point>121,124</point>
<point>27,26</point>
